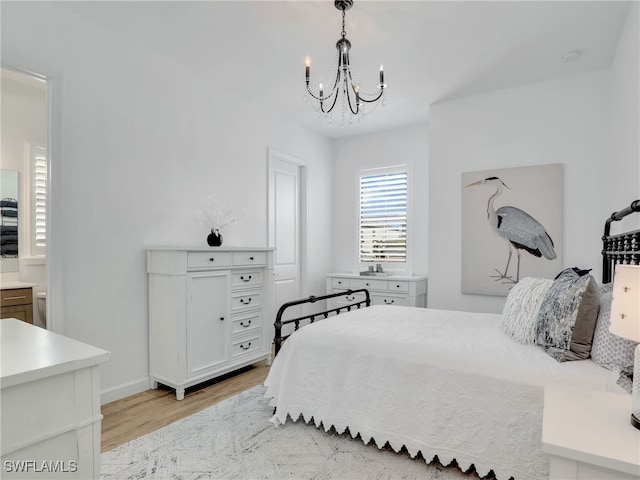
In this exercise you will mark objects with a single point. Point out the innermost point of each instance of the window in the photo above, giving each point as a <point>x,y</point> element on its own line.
<point>383,216</point>
<point>37,201</point>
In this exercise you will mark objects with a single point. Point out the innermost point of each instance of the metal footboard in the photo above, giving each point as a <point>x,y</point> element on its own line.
<point>279,323</point>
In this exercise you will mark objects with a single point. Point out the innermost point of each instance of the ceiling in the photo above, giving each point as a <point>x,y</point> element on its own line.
<point>431,50</point>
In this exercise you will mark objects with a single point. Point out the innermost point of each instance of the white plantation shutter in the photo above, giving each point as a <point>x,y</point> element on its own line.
<point>38,199</point>
<point>383,217</point>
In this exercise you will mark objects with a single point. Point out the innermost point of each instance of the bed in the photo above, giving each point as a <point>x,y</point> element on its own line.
<point>435,382</point>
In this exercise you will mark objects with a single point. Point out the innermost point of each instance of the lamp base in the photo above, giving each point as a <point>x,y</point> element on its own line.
<point>635,389</point>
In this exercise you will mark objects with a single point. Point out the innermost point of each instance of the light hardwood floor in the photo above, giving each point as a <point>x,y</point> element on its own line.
<point>137,415</point>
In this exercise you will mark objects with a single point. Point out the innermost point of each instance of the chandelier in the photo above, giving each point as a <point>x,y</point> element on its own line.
<point>353,99</point>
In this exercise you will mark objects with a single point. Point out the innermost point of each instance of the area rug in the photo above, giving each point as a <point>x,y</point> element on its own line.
<point>235,440</point>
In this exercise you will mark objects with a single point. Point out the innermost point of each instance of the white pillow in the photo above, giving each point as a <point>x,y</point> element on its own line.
<point>520,313</point>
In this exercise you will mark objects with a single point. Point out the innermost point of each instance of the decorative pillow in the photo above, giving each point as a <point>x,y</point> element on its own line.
<point>567,316</point>
<point>520,313</point>
<point>611,351</point>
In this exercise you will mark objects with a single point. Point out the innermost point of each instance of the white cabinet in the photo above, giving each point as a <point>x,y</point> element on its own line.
<point>50,409</point>
<point>207,312</point>
<point>408,291</point>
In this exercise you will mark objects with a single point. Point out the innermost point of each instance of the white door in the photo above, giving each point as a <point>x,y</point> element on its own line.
<point>285,226</point>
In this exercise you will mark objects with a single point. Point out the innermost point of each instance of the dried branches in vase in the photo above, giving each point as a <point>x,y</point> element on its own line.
<point>216,217</point>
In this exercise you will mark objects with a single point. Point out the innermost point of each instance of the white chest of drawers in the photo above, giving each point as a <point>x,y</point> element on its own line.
<point>208,313</point>
<point>410,291</point>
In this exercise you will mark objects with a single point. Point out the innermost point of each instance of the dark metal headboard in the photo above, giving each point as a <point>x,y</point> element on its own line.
<point>622,247</point>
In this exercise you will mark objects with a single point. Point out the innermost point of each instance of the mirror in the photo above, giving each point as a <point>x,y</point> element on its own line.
<point>8,221</point>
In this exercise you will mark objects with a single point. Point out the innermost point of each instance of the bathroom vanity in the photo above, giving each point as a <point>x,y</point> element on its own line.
<point>16,301</point>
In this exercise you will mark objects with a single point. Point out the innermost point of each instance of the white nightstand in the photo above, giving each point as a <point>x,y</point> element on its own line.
<point>588,436</point>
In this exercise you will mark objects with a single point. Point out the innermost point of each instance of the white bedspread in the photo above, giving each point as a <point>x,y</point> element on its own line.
<point>439,382</point>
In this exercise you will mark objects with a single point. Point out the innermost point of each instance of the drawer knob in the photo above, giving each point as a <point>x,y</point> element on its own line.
<point>211,259</point>
<point>245,301</point>
<point>222,319</point>
<point>251,258</point>
<point>247,279</point>
<point>397,286</point>
<point>245,347</point>
<point>245,325</point>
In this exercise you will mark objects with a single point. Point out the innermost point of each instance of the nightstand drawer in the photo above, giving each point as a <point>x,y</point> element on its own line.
<point>208,259</point>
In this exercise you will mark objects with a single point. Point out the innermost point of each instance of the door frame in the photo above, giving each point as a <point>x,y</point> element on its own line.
<point>272,155</point>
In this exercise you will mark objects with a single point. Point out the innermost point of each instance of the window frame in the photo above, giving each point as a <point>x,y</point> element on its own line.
<point>36,254</point>
<point>396,268</point>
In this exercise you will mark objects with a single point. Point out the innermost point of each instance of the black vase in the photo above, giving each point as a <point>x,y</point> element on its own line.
<point>214,239</point>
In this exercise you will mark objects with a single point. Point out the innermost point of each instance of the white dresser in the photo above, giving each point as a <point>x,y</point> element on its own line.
<point>408,291</point>
<point>50,387</point>
<point>208,312</point>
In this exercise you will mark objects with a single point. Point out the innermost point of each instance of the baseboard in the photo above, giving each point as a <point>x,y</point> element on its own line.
<point>122,391</point>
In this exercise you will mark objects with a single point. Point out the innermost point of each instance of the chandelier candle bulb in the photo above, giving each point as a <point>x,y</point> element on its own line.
<point>381,76</point>
<point>320,88</point>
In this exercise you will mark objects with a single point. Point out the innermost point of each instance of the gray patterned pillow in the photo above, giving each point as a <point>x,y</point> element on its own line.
<point>567,316</point>
<point>611,351</point>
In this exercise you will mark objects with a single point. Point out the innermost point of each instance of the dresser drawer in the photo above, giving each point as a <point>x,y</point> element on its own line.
<point>398,286</point>
<point>340,283</point>
<point>245,300</point>
<point>246,278</point>
<point>246,322</point>
<point>247,345</point>
<point>389,300</point>
<point>369,284</point>
<point>249,258</point>
<point>15,296</point>
<point>346,299</point>
<point>208,259</point>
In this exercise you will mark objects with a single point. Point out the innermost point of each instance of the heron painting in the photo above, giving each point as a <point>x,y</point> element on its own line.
<point>512,223</point>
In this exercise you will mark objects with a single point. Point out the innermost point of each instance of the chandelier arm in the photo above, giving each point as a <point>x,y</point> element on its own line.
<point>373,99</point>
<point>335,99</point>
<point>348,84</point>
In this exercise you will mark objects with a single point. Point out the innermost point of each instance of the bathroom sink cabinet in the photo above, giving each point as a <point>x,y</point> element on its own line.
<point>208,311</point>
<point>17,302</point>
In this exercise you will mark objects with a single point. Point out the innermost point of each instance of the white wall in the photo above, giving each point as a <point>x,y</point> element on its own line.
<point>142,144</point>
<point>403,146</point>
<point>563,121</point>
<point>625,119</point>
<point>588,122</point>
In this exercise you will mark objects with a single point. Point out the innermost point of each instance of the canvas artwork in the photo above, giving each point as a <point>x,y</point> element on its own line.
<point>511,227</point>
